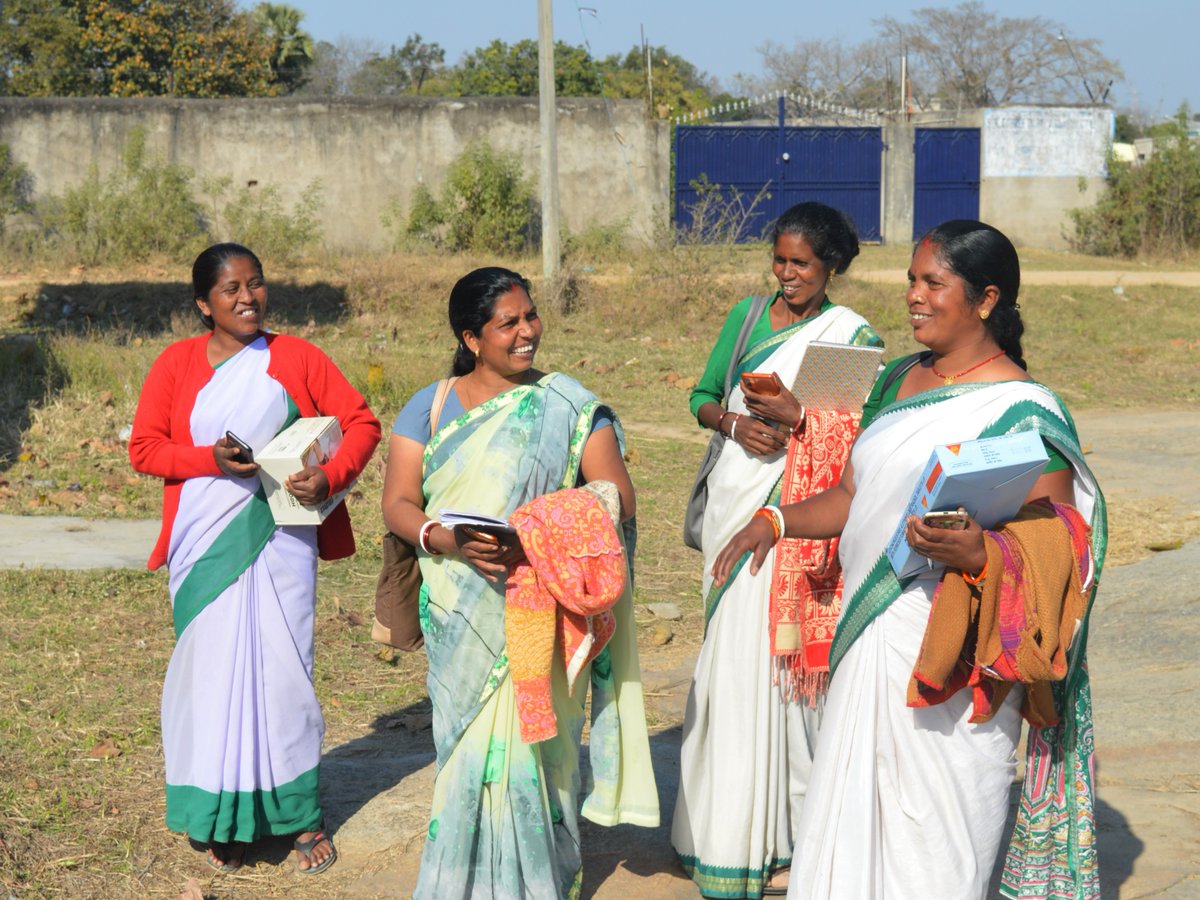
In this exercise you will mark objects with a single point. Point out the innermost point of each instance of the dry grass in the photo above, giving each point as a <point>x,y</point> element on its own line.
<point>82,655</point>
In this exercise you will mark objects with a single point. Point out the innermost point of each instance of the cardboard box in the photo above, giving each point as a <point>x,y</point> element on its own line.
<point>989,478</point>
<point>303,443</point>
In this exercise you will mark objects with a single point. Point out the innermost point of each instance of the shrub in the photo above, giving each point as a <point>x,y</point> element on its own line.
<point>15,186</point>
<point>256,217</point>
<point>720,218</point>
<point>144,208</point>
<point>1152,208</point>
<point>486,204</point>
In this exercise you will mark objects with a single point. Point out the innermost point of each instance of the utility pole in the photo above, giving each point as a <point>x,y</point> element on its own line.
<point>548,109</point>
<point>1078,68</point>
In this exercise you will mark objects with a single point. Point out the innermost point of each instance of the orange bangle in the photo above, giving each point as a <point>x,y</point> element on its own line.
<point>770,516</point>
<point>975,579</point>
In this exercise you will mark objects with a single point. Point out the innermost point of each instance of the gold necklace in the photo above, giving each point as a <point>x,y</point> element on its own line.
<point>950,379</point>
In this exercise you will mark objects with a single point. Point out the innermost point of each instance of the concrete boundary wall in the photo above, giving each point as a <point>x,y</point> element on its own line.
<point>614,161</point>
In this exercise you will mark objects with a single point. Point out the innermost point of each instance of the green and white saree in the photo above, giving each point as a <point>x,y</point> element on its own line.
<point>242,729</point>
<point>911,802</point>
<point>504,821</point>
<point>746,752</point>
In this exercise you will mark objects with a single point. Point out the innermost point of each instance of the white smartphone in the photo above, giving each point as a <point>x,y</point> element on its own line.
<point>950,519</point>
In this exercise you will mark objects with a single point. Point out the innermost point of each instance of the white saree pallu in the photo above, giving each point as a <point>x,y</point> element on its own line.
<point>241,726</point>
<point>746,752</point>
<point>910,803</point>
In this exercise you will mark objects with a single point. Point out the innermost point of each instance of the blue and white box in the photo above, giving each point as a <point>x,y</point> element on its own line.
<point>989,478</point>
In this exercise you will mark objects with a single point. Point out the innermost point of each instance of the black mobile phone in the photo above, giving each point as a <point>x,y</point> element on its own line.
<point>245,454</point>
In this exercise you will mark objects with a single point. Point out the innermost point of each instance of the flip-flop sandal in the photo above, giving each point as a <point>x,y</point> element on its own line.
<point>233,855</point>
<point>307,847</point>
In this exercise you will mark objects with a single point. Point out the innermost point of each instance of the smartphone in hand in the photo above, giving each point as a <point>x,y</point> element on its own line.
<point>763,383</point>
<point>245,454</point>
<point>950,519</point>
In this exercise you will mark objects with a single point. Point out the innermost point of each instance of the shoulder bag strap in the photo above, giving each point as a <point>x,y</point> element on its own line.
<point>905,364</point>
<point>757,304</point>
<point>439,400</point>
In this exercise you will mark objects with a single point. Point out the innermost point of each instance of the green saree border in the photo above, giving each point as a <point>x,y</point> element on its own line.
<point>245,815</point>
<point>715,592</point>
<point>881,587</point>
<point>730,881</point>
<point>231,553</point>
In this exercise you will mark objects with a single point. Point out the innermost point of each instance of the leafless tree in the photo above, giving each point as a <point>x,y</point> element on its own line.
<point>965,56</point>
<point>969,56</point>
<point>863,76</point>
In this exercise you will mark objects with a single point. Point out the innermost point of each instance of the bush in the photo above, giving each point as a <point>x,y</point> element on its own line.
<point>144,208</point>
<point>486,204</point>
<point>256,217</point>
<point>15,186</point>
<point>1151,209</point>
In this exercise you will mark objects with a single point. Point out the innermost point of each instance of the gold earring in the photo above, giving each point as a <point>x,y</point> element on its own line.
<point>984,313</point>
<point>477,353</point>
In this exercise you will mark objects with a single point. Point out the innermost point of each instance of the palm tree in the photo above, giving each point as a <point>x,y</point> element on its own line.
<point>292,49</point>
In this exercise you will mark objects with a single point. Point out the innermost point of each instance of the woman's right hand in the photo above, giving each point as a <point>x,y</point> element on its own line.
<point>757,437</point>
<point>225,454</point>
<point>756,538</point>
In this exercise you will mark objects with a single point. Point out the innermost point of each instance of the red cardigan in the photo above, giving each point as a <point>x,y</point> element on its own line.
<point>161,443</point>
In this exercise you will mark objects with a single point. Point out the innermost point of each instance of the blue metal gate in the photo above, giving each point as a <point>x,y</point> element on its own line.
<point>837,166</point>
<point>946,176</point>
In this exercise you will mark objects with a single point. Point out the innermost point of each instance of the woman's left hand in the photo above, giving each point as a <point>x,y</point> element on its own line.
<point>310,485</point>
<point>963,550</point>
<point>782,407</point>
<point>490,555</point>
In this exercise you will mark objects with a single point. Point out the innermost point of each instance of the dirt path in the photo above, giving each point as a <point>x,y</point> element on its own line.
<point>1087,277</point>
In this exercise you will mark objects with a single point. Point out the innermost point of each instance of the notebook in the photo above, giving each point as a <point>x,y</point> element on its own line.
<point>836,376</point>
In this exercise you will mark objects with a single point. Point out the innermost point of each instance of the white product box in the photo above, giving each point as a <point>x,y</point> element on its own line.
<point>306,442</point>
<point>989,478</point>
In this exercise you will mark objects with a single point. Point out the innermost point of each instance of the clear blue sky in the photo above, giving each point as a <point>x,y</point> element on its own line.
<point>1155,41</point>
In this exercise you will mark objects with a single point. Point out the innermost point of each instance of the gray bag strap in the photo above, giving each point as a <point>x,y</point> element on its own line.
<point>757,304</point>
<point>439,400</point>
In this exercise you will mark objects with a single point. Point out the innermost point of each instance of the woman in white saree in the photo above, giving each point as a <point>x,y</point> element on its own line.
<point>910,801</point>
<point>747,745</point>
<point>241,725</point>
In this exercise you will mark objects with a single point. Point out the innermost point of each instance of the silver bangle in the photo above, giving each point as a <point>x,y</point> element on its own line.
<point>733,428</point>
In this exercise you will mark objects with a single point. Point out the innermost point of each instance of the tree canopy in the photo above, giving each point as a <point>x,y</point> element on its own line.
<point>140,48</point>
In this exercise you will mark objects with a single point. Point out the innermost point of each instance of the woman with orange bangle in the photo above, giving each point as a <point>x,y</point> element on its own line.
<point>751,718</point>
<point>910,782</point>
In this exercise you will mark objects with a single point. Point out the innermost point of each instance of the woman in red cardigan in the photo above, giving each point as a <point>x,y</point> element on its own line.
<point>242,729</point>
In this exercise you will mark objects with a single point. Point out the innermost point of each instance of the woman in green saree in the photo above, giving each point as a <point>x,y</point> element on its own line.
<point>504,820</point>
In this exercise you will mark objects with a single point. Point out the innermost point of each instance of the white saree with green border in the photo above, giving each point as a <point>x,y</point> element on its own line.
<point>505,817</point>
<point>911,803</point>
<point>746,754</point>
<point>242,729</point>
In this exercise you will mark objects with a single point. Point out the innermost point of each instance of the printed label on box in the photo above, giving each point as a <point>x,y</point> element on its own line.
<point>989,478</point>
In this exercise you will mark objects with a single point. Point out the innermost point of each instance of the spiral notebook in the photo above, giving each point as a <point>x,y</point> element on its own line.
<point>837,376</point>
